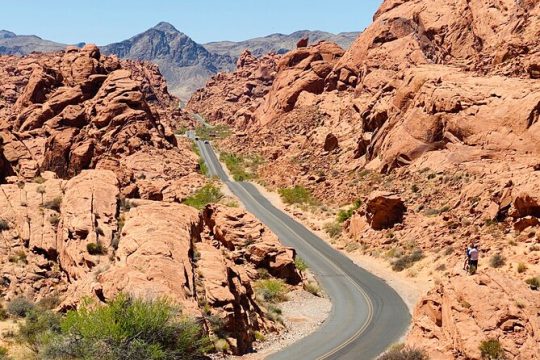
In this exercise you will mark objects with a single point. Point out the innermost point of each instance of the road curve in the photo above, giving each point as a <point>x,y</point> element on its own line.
<point>367,314</point>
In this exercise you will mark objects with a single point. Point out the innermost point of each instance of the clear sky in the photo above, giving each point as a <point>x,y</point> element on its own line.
<point>106,21</point>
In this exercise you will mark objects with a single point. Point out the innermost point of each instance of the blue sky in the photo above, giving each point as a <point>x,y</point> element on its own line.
<point>106,21</point>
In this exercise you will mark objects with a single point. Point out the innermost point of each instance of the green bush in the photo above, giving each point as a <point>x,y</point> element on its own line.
<point>401,352</point>
<point>492,350</point>
<point>271,290</point>
<point>206,195</point>
<point>49,302</point>
<point>38,328</point>
<point>297,195</point>
<point>4,225</point>
<point>497,261</point>
<point>3,353</point>
<point>20,307</point>
<point>126,329</point>
<point>333,229</point>
<point>96,249</point>
<point>344,215</point>
<point>53,204</point>
<point>533,282</point>
<point>300,264</point>
<point>237,166</point>
<point>18,257</point>
<point>408,260</point>
<point>214,132</point>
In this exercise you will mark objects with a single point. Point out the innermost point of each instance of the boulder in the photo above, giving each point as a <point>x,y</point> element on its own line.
<point>384,210</point>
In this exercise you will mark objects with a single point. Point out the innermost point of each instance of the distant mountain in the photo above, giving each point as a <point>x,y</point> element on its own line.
<point>185,64</point>
<point>278,43</point>
<point>13,44</point>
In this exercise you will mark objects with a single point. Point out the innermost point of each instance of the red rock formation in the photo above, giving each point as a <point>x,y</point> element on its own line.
<point>456,316</point>
<point>206,262</point>
<point>77,110</point>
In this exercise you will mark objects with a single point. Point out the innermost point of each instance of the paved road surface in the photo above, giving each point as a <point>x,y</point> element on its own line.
<point>367,315</point>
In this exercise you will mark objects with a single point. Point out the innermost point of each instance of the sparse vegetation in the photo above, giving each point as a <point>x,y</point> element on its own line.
<point>214,132</point>
<point>39,179</point>
<point>491,350</point>
<point>533,282</point>
<point>208,194</point>
<point>402,352</point>
<point>497,261</point>
<point>521,268</point>
<point>18,257</point>
<point>3,353</point>
<point>300,264</point>
<point>344,215</point>
<point>237,166</point>
<point>271,290</point>
<point>20,307</point>
<point>3,313</point>
<point>123,329</point>
<point>259,336</point>
<point>333,229</point>
<point>49,302</point>
<point>406,261</point>
<point>53,204</point>
<point>96,249</point>
<point>296,195</point>
<point>312,288</point>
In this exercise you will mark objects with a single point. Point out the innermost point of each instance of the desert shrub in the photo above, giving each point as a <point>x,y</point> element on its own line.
<point>3,353</point>
<point>312,288</point>
<point>206,195</point>
<point>521,268</point>
<point>127,329</point>
<point>401,352</point>
<point>37,329</point>
<point>344,215</point>
<point>497,261</point>
<point>449,251</point>
<point>20,307</point>
<point>54,220</point>
<point>271,290</point>
<point>4,225</point>
<point>352,246</point>
<point>39,180</point>
<point>259,336</point>
<point>237,166</point>
<point>533,282</point>
<point>215,132</point>
<point>18,257</point>
<point>333,229</point>
<point>296,195</point>
<point>53,204</point>
<point>49,302</point>
<point>406,261</point>
<point>3,313</point>
<point>492,350</point>
<point>221,345</point>
<point>300,264</point>
<point>96,249</point>
<point>414,188</point>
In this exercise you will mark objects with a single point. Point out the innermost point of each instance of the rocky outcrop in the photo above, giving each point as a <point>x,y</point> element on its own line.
<point>454,318</point>
<point>80,238</point>
<point>78,110</point>
<point>251,241</point>
<point>384,210</point>
<point>231,97</point>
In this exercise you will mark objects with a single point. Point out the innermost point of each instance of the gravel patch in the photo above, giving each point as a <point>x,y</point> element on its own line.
<point>302,314</point>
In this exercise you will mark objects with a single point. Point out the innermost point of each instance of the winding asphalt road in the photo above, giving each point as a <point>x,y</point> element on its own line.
<point>367,314</point>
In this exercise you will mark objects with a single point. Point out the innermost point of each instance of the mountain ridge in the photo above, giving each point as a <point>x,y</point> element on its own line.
<point>186,64</point>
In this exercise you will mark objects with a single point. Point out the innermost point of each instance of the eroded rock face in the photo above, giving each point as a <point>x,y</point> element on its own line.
<point>80,238</point>
<point>456,316</point>
<point>384,210</point>
<point>77,110</point>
